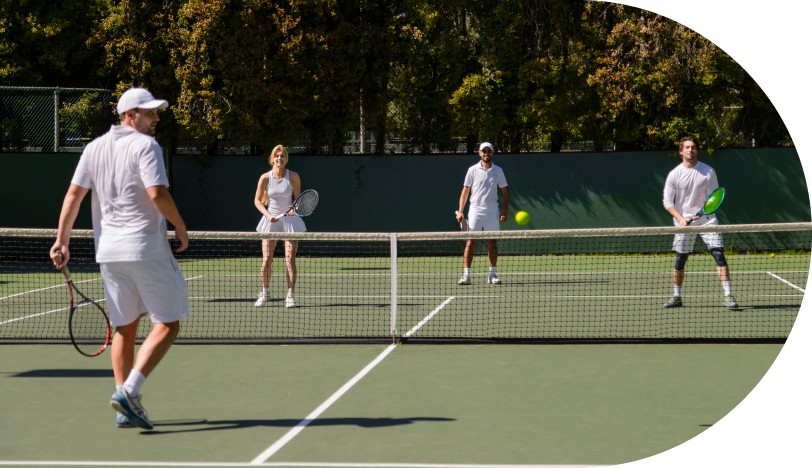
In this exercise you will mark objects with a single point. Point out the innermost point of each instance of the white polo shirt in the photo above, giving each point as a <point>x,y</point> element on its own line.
<point>483,183</point>
<point>687,188</point>
<point>118,167</point>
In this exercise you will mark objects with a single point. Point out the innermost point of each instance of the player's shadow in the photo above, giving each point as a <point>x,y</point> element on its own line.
<point>368,423</point>
<point>556,282</point>
<point>73,373</point>
<point>365,268</point>
<point>241,299</point>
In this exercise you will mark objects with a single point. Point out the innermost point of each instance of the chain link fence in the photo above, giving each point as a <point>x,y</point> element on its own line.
<point>66,119</point>
<point>58,120</point>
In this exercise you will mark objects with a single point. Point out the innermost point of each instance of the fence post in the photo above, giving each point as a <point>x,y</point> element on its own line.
<point>56,120</point>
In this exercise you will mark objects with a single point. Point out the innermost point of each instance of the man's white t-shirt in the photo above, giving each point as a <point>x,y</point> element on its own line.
<point>118,167</point>
<point>687,188</point>
<point>483,183</point>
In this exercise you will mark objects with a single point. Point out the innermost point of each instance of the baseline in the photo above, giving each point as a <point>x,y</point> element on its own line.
<point>283,464</point>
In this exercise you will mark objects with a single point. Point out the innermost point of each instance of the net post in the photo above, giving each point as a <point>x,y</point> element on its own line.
<point>393,292</point>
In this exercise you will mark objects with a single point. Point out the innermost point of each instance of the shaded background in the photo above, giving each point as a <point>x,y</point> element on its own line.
<point>420,193</point>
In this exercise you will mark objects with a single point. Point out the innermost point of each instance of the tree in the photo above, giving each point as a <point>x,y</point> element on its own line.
<point>45,43</point>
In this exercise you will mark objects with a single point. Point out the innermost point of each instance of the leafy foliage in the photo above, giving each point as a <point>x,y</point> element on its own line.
<point>429,75</point>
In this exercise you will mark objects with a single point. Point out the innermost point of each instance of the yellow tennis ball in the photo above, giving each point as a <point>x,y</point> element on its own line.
<point>522,217</point>
<point>772,255</point>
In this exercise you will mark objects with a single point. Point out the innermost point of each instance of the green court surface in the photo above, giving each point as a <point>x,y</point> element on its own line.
<point>462,404</point>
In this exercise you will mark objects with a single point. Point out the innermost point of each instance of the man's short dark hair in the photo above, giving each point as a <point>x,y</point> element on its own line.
<point>688,138</point>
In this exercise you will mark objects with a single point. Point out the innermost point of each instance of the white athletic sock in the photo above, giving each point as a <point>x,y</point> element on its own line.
<point>133,383</point>
<point>466,271</point>
<point>290,293</point>
<point>493,271</point>
<point>726,286</point>
<point>677,290</point>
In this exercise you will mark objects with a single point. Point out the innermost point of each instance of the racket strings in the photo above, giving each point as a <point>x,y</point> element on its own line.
<point>89,329</point>
<point>306,203</point>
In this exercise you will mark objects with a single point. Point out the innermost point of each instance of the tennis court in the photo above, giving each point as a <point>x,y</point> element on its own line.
<point>484,400</point>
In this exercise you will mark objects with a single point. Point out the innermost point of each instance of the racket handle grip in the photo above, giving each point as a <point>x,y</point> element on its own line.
<point>65,273</point>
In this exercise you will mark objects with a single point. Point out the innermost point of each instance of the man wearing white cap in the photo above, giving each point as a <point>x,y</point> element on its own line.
<point>130,205</point>
<point>481,182</point>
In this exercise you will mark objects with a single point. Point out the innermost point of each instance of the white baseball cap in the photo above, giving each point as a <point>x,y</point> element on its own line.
<point>485,145</point>
<point>139,98</point>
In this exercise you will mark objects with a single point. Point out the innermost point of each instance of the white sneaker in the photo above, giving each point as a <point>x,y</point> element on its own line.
<point>464,280</point>
<point>290,302</point>
<point>492,279</point>
<point>263,298</point>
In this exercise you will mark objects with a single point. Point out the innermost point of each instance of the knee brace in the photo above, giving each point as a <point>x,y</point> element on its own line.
<point>719,256</point>
<point>682,258</point>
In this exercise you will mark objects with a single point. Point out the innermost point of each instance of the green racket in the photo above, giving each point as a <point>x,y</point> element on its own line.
<point>712,204</point>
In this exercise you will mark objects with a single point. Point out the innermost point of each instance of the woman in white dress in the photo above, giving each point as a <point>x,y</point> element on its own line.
<point>278,188</point>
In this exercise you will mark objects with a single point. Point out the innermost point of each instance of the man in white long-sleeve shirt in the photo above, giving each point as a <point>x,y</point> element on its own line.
<point>686,189</point>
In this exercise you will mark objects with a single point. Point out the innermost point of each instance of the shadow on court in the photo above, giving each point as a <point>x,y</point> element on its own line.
<point>72,373</point>
<point>249,423</point>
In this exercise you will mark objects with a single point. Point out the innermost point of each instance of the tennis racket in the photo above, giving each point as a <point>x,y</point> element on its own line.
<point>712,204</point>
<point>463,224</point>
<point>305,204</point>
<point>88,324</point>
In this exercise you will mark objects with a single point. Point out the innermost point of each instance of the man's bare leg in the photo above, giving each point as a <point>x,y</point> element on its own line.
<point>724,273</point>
<point>468,256</point>
<point>156,346</point>
<point>152,351</point>
<point>122,351</point>
<point>493,253</point>
<point>679,276</point>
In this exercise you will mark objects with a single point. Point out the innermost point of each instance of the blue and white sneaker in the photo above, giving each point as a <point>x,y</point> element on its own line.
<point>122,421</point>
<point>132,409</point>
<point>675,301</point>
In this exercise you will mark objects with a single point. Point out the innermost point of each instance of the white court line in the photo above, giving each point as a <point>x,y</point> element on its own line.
<point>428,317</point>
<point>49,287</point>
<point>284,464</point>
<point>194,277</point>
<point>268,453</point>
<point>782,279</point>
<point>41,313</point>
<point>34,315</point>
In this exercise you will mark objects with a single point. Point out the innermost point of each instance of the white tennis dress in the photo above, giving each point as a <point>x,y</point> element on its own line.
<point>280,197</point>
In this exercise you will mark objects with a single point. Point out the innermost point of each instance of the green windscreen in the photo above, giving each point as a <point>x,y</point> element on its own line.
<point>715,199</point>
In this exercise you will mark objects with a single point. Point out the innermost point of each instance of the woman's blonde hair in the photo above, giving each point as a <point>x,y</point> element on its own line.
<point>270,161</point>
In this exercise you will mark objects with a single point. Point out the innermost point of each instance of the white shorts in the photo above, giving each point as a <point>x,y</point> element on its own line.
<point>135,289</point>
<point>483,220</point>
<point>684,243</point>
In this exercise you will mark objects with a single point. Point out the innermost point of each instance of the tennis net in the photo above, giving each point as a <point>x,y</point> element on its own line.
<point>559,285</point>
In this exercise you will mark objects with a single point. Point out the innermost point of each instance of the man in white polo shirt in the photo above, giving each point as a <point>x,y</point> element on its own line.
<point>481,183</point>
<point>130,205</point>
<point>686,188</point>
